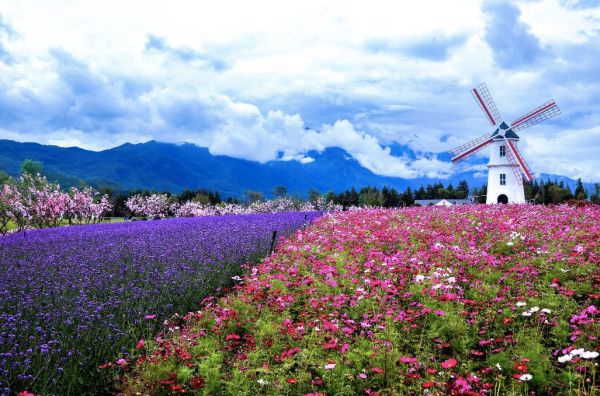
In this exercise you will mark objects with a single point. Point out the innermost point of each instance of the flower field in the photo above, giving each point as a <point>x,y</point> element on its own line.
<point>72,298</point>
<point>462,300</point>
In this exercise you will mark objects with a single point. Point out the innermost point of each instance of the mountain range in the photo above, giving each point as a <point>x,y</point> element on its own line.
<point>158,166</point>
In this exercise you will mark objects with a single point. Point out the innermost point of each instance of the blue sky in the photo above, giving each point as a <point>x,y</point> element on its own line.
<point>267,80</point>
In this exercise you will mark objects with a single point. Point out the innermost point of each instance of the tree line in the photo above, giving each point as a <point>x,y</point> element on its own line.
<point>538,192</point>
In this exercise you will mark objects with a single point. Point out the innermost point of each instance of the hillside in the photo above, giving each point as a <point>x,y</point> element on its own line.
<point>175,167</point>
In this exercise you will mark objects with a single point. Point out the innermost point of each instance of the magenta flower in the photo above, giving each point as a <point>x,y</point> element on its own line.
<point>449,363</point>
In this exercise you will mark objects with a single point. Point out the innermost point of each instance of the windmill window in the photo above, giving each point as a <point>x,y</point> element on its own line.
<point>502,179</point>
<point>502,151</point>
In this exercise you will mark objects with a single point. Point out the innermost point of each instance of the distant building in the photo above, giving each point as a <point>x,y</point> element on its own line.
<point>443,202</point>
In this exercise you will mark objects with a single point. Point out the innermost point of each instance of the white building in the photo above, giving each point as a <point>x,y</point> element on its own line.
<point>503,185</point>
<point>443,202</point>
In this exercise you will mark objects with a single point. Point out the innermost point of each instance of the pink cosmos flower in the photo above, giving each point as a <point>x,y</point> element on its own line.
<point>449,363</point>
<point>121,362</point>
<point>406,359</point>
<point>148,317</point>
<point>140,344</point>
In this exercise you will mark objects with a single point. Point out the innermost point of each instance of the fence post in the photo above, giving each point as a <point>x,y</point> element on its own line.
<point>273,239</point>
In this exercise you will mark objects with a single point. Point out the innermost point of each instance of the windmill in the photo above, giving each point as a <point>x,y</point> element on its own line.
<point>507,167</point>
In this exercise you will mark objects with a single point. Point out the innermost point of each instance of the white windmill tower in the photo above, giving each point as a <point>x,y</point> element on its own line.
<point>506,168</point>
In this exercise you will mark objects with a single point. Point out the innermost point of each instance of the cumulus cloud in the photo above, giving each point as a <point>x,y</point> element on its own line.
<point>6,33</point>
<point>513,45</point>
<point>579,4</point>
<point>546,152</point>
<point>433,47</point>
<point>157,44</point>
<point>86,108</point>
<point>241,130</point>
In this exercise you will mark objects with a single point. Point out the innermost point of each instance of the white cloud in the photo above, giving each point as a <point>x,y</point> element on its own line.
<point>246,78</point>
<point>561,153</point>
<point>555,24</point>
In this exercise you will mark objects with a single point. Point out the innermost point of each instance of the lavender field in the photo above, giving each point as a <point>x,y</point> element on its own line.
<point>72,298</point>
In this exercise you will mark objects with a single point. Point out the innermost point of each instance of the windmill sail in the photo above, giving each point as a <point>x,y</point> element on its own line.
<point>537,115</point>
<point>517,162</point>
<point>484,100</point>
<point>472,147</point>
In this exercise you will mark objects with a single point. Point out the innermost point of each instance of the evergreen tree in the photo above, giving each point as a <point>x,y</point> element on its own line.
<point>370,196</point>
<point>421,193</point>
<point>407,197</point>
<point>390,198</point>
<point>580,193</point>
<point>462,191</point>
<point>430,193</point>
<point>595,196</point>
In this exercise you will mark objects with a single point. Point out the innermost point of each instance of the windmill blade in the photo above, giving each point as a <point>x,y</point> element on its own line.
<point>484,100</point>
<point>537,115</point>
<point>518,162</point>
<point>472,147</point>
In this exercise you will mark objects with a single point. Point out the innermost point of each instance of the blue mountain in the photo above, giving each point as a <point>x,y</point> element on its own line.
<point>170,167</point>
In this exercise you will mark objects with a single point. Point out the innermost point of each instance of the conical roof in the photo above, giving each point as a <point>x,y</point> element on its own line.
<point>508,132</point>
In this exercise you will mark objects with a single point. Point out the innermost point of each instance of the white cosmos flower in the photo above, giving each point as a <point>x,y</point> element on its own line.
<point>262,381</point>
<point>526,377</point>
<point>589,355</point>
<point>509,243</point>
<point>526,313</point>
<point>577,352</point>
<point>521,304</point>
<point>419,278</point>
<point>534,309</point>
<point>498,366</point>
<point>546,311</point>
<point>565,358</point>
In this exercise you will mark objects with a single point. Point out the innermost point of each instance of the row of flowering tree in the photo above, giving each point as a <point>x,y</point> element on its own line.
<point>157,206</point>
<point>33,202</point>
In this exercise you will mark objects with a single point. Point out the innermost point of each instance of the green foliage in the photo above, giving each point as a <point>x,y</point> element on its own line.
<point>595,195</point>
<point>313,195</point>
<point>254,196</point>
<point>280,191</point>
<point>31,167</point>
<point>548,192</point>
<point>580,193</point>
<point>4,178</point>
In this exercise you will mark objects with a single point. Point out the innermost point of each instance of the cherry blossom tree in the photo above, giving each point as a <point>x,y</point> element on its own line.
<point>155,206</point>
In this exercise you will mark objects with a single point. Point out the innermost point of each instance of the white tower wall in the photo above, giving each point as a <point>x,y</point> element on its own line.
<point>499,165</point>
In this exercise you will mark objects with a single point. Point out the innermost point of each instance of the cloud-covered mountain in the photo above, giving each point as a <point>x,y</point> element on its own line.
<point>174,167</point>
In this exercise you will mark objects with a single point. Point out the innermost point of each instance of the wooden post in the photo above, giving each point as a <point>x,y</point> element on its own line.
<point>273,239</point>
